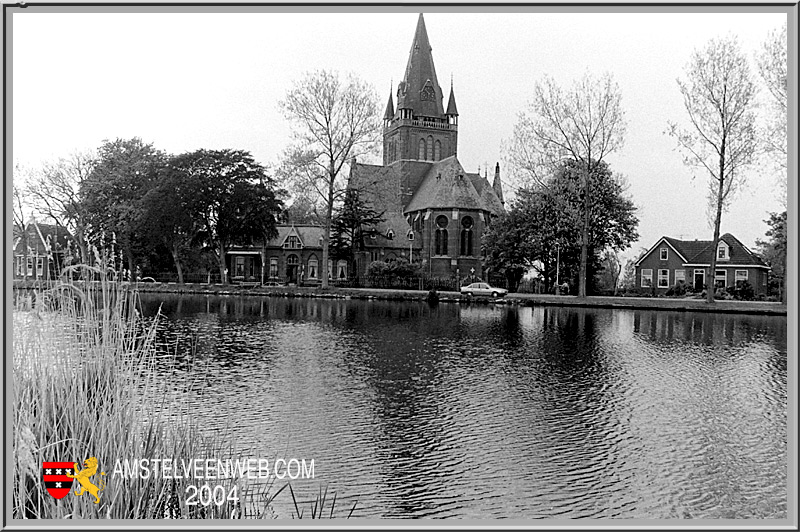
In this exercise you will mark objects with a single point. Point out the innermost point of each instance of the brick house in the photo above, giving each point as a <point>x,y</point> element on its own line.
<point>294,256</point>
<point>671,261</point>
<point>48,246</point>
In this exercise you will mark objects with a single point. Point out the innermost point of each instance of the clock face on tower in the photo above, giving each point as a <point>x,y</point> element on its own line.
<point>427,93</point>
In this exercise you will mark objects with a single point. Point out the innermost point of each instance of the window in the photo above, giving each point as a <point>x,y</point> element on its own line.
<point>741,275</point>
<point>313,267</point>
<point>441,236</point>
<point>341,269</point>
<point>421,155</point>
<point>239,268</point>
<point>680,276</point>
<point>292,242</point>
<point>273,267</point>
<point>466,236</point>
<point>699,279</point>
<point>330,270</point>
<point>722,251</point>
<point>19,265</point>
<point>30,266</point>
<point>663,278</point>
<point>721,278</point>
<point>390,234</point>
<point>647,277</point>
<point>39,266</point>
<point>664,253</point>
<point>437,150</point>
<point>429,155</point>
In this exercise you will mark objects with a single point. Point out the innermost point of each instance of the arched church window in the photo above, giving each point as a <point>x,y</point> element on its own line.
<point>421,156</point>
<point>437,151</point>
<point>466,236</point>
<point>430,151</point>
<point>441,236</point>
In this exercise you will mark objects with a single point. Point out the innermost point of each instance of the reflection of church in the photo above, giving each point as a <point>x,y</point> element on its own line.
<point>434,209</point>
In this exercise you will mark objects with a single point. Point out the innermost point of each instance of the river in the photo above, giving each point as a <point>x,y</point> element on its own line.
<point>484,411</point>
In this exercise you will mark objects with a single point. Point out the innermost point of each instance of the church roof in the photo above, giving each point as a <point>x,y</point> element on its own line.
<point>420,89</point>
<point>448,186</point>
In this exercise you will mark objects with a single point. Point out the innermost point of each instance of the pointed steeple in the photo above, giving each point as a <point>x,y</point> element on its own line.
<point>497,185</point>
<point>451,104</point>
<point>389,114</point>
<point>419,90</point>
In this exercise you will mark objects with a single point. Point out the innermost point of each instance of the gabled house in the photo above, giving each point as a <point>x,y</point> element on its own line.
<point>48,247</point>
<point>671,261</point>
<point>294,256</point>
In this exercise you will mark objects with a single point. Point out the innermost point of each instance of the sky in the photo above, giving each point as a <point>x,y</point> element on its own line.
<point>185,81</point>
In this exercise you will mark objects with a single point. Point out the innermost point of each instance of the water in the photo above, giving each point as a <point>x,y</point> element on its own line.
<point>489,412</point>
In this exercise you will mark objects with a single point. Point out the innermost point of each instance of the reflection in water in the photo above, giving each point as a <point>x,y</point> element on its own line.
<point>478,411</point>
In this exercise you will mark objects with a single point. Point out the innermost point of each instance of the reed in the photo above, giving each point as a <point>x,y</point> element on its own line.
<point>88,382</point>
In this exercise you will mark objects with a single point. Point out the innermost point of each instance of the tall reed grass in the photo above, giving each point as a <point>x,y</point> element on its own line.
<point>86,383</point>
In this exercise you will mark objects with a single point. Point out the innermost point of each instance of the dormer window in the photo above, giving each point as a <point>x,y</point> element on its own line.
<point>292,242</point>
<point>723,251</point>
<point>390,234</point>
<point>664,253</point>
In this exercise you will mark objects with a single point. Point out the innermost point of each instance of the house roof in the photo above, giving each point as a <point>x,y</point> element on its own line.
<point>701,251</point>
<point>309,235</point>
<point>40,234</point>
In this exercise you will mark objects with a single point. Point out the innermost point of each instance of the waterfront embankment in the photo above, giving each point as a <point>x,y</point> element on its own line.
<point>650,303</point>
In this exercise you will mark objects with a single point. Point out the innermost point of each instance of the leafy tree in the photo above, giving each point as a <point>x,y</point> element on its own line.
<point>55,193</point>
<point>229,199</point>
<point>610,270</point>
<point>719,97</point>
<point>112,196</point>
<point>773,251</point>
<point>506,250</point>
<point>333,121</point>
<point>350,223</point>
<point>544,225</point>
<point>583,124</point>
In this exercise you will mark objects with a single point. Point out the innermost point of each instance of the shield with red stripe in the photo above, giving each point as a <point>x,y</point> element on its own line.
<point>55,478</point>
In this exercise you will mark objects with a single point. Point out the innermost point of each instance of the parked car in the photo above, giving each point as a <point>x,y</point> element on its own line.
<point>273,283</point>
<point>483,289</point>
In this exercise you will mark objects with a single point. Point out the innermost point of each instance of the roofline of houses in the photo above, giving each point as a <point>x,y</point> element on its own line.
<point>662,239</point>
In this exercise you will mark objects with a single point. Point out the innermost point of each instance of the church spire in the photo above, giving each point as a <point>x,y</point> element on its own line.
<point>389,114</point>
<point>498,185</point>
<point>419,90</point>
<point>452,111</point>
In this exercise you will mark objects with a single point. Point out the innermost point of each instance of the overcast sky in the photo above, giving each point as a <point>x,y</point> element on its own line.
<point>185,81</point>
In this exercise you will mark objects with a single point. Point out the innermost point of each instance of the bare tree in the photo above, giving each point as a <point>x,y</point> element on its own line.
<point>772,66</point>
<point>333,121</point>
<point>20,214</point>
<point>54,191</point>
<point>584,124</point>
<point>719,97</point>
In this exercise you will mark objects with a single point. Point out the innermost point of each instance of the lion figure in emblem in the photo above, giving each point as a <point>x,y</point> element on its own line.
<point>84,477</point>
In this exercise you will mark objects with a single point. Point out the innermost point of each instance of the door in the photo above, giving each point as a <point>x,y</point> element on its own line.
<point>699,280</point>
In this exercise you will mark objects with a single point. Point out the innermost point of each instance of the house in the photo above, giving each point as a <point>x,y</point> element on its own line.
<point>41,251</point>
<point>671,261</point>
<point>435,212</point>
<point>293,256</point>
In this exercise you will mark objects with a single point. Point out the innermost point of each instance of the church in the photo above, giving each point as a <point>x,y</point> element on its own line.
<point>435,212</point>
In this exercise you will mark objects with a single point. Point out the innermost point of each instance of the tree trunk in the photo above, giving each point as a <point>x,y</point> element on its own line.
<point>712,287</point>
<point>221,262</point>
<point>177,259</point>
<point>326,234</point>
<point>132,266</point>
<point>582,274</point>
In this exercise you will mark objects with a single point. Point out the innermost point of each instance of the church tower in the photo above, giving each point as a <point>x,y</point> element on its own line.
<point>420,128</point>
